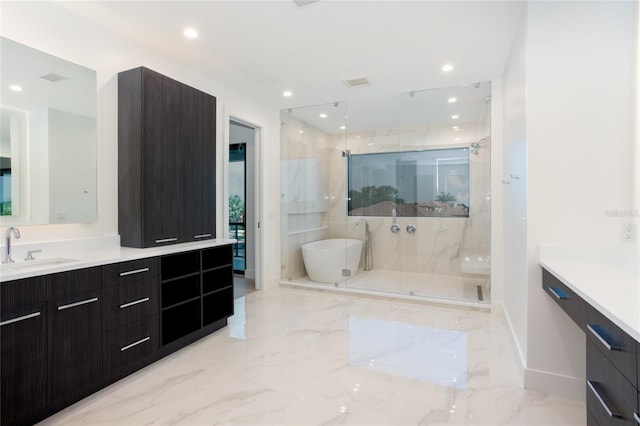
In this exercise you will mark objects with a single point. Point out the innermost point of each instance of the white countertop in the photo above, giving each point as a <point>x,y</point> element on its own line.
<point>608,278</point>
<point>68,259</point>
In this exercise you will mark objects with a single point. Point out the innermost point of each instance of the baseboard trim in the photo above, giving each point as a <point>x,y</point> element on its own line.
<point>515,346</point>
<point>250,274</point>
<point>556,384</point>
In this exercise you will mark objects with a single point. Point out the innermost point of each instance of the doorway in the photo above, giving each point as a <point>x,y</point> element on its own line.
<point>242,204</point>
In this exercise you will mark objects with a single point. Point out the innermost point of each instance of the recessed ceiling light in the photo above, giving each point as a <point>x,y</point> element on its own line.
<point>452,100</point>
<point>15,88</point>
<point>287,94</point>
<point>343,127</point>
<point>455,128</point>
<point>323,115</point>
<point>457,139</point>
<point>455,117</point>
<point>447,67</point>
<point>190,33</point>
<point>301,131</point>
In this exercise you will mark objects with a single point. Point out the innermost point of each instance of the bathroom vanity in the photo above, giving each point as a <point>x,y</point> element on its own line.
<point>71,328</point>
<point>600,291</point>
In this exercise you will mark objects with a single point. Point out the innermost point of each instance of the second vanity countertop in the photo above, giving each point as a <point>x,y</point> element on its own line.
<point>70,259</point>
<point>608,278</point>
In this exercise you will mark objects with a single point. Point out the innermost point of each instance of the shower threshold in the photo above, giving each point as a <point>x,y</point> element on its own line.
<point>474,296</point>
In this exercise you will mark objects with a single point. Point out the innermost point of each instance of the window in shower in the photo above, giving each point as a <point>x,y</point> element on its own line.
<point>431,183</point>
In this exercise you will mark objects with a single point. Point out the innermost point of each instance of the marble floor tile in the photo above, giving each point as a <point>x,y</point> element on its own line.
<point>301,357</point>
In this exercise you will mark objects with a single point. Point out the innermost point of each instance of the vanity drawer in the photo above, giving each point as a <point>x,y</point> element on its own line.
<point>66,284</point>
<point>615,344</point>
<point>24,292</point>
<point>126,272</point>
<point>570,302</point>
<point>132,343</point>
<point>130,302</point>
<point>611,398</point>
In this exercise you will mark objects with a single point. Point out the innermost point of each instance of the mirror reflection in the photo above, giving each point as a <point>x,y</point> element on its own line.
<point>48,138</point>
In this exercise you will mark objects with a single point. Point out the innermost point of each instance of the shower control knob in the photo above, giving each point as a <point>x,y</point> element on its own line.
<point>395,228</point>
<point>411,229</point>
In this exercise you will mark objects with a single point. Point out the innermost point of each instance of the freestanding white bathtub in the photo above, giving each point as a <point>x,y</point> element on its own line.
<point>326,259</point>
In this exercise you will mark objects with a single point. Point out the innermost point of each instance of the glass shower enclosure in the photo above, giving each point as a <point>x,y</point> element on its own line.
<point>403,188</point>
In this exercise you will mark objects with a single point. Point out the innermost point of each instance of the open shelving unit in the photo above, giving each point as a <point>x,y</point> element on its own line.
<point>196,291</point>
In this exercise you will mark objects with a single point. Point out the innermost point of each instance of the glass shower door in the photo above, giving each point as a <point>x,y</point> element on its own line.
<point>445,139</point>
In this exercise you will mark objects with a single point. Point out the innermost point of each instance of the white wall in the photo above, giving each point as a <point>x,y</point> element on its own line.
<point>570,146</point>
<point>51,28</point>
<point>515,193</point>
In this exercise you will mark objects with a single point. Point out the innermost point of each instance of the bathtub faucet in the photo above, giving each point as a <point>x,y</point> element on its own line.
<point>366,227</point>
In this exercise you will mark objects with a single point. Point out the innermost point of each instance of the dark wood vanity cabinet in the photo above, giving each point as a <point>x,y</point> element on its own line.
<point>23,346</point>
<point>131,305</point>
<point>613,361</point>
<point>64,336</point>
<point>75,333</point>
<point>166,160</point>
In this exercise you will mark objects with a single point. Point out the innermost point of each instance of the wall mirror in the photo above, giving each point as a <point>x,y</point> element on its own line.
<point>48,138</point>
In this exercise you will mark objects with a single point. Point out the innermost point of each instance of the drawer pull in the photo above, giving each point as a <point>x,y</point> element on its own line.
<point>124,348</point>
<point>135,271</point>
<point>559,294</point>
<point>636,417</point>
<point>202,236</point>
<point>22,318</point>
<point>135,302</point>
<point>73,305</point>
<point>602,340</point>
<point>166,240</point>
<point>604,404</point>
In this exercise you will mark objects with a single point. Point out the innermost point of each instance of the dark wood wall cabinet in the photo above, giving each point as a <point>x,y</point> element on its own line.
<point>613,360</point>
<point>166,160</point>
<point>66,335</point>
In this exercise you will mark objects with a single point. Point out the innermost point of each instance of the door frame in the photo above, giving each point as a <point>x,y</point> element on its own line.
<point>256,226</point>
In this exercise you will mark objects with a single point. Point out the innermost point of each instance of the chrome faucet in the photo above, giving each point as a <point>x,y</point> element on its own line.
<point>366,227</point>
<point>395,228</point>
<point>7,243</point>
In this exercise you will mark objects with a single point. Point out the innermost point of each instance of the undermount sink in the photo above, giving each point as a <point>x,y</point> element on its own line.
<point>22,265</point>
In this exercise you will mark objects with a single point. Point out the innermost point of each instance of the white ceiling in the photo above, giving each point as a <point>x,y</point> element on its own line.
<point>261,48</point>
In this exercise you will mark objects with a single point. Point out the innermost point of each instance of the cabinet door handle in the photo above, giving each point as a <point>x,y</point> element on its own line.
<point>22,318</point>
<point>73,305</point>
<point>202,236</point>
<point>124,348</point>
<point>559,294</point>
<point>636,417</point>
<point>135,271</point>
<point>610,412</point>
<point>166,240</point>
<point>602,340</point>
<point>135,302</point>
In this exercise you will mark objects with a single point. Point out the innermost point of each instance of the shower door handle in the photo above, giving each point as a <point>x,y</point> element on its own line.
<point>411,229</point>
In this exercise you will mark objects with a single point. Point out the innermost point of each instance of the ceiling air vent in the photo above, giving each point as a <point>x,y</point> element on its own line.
<point>353,83</point>
<point>301,3</point>
<point>53,77</point>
